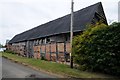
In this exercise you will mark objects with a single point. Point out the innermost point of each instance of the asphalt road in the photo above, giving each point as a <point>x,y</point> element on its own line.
<point>15,70</point>
<point>0,68</point>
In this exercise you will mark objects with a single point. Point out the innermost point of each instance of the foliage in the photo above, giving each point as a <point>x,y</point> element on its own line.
<point>8,51</point>
<point>1,45</point>
<point>98,49</point>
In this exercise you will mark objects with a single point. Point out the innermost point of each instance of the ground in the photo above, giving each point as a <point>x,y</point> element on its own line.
<point>44,66</point>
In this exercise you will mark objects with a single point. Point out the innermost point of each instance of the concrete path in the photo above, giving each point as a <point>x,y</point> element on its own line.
<point>15,70</point>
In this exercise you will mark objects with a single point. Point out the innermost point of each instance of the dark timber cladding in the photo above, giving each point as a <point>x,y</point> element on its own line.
<point>51,40</point>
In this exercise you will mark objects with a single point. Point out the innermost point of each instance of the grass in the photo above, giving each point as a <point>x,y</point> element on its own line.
<point>55,67</point>
<point>0,54</point>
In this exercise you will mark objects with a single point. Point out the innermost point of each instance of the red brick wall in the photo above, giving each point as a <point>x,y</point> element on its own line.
<point>47,56</point>
<point>53,56</point>
<point>68,47</point>
<point>60,47</point>
<point>43,48</point>
<point>36,52</point>
<point>53,47</point>
<point>61,57</point>
<point>47,48</point>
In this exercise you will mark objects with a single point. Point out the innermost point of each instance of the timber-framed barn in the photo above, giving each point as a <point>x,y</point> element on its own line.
<point>52,40</point>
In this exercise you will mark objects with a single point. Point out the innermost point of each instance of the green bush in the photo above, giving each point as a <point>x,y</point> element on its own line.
<point>8,51</point>
<point>98,49</point>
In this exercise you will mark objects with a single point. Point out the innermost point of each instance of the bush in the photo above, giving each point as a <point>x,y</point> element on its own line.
<point>8,51</point>
<point>98,49</point>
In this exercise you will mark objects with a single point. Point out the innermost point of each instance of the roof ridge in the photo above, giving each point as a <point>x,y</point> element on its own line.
<point>61,17</point>
<point>59,25</point>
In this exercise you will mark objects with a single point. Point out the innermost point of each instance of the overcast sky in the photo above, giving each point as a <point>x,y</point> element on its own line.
<point>17,16</point>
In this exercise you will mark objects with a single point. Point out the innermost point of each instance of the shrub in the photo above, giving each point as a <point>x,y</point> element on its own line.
<point>8,51</point>
<point>98,49</point>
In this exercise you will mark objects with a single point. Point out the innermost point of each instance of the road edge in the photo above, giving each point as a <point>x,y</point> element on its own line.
<point>44,71</point>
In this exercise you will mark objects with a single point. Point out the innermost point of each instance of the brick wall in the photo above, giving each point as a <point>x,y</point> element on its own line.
<point>53,51</point>
<point>50,49</point>
<point>36,52</point>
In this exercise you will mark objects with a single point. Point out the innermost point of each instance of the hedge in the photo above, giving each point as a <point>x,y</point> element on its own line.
<point>98,49</point>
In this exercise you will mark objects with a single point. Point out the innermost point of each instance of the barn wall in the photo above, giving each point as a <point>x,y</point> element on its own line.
<point>56,49</point>
<point>18,48</point>
<point>52,51</point>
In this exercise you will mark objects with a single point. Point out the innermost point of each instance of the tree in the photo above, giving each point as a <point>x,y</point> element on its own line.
<point>97,49</point>
<point>1,45</point>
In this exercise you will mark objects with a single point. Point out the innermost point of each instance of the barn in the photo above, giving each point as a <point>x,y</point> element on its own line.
<point>51,41</point>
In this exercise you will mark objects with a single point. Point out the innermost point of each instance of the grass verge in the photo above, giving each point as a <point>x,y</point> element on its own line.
<point>55,68</point>
<point>0,54</point>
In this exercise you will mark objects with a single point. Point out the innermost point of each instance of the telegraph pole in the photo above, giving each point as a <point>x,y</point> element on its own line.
<point>71,33</point>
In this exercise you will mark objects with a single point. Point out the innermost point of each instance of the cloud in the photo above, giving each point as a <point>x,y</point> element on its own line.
<point>20,15</point>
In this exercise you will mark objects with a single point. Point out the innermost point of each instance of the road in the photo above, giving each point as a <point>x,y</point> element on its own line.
<point>15,70</point>
<point>0,67</point>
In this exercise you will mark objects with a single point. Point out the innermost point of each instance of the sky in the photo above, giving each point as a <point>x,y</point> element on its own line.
<point>17,16</point>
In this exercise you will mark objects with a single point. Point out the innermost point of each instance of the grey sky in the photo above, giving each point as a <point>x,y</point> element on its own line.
<point>17,16</point>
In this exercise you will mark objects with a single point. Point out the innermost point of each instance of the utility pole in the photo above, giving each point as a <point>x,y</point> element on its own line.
<point>71,34</point>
